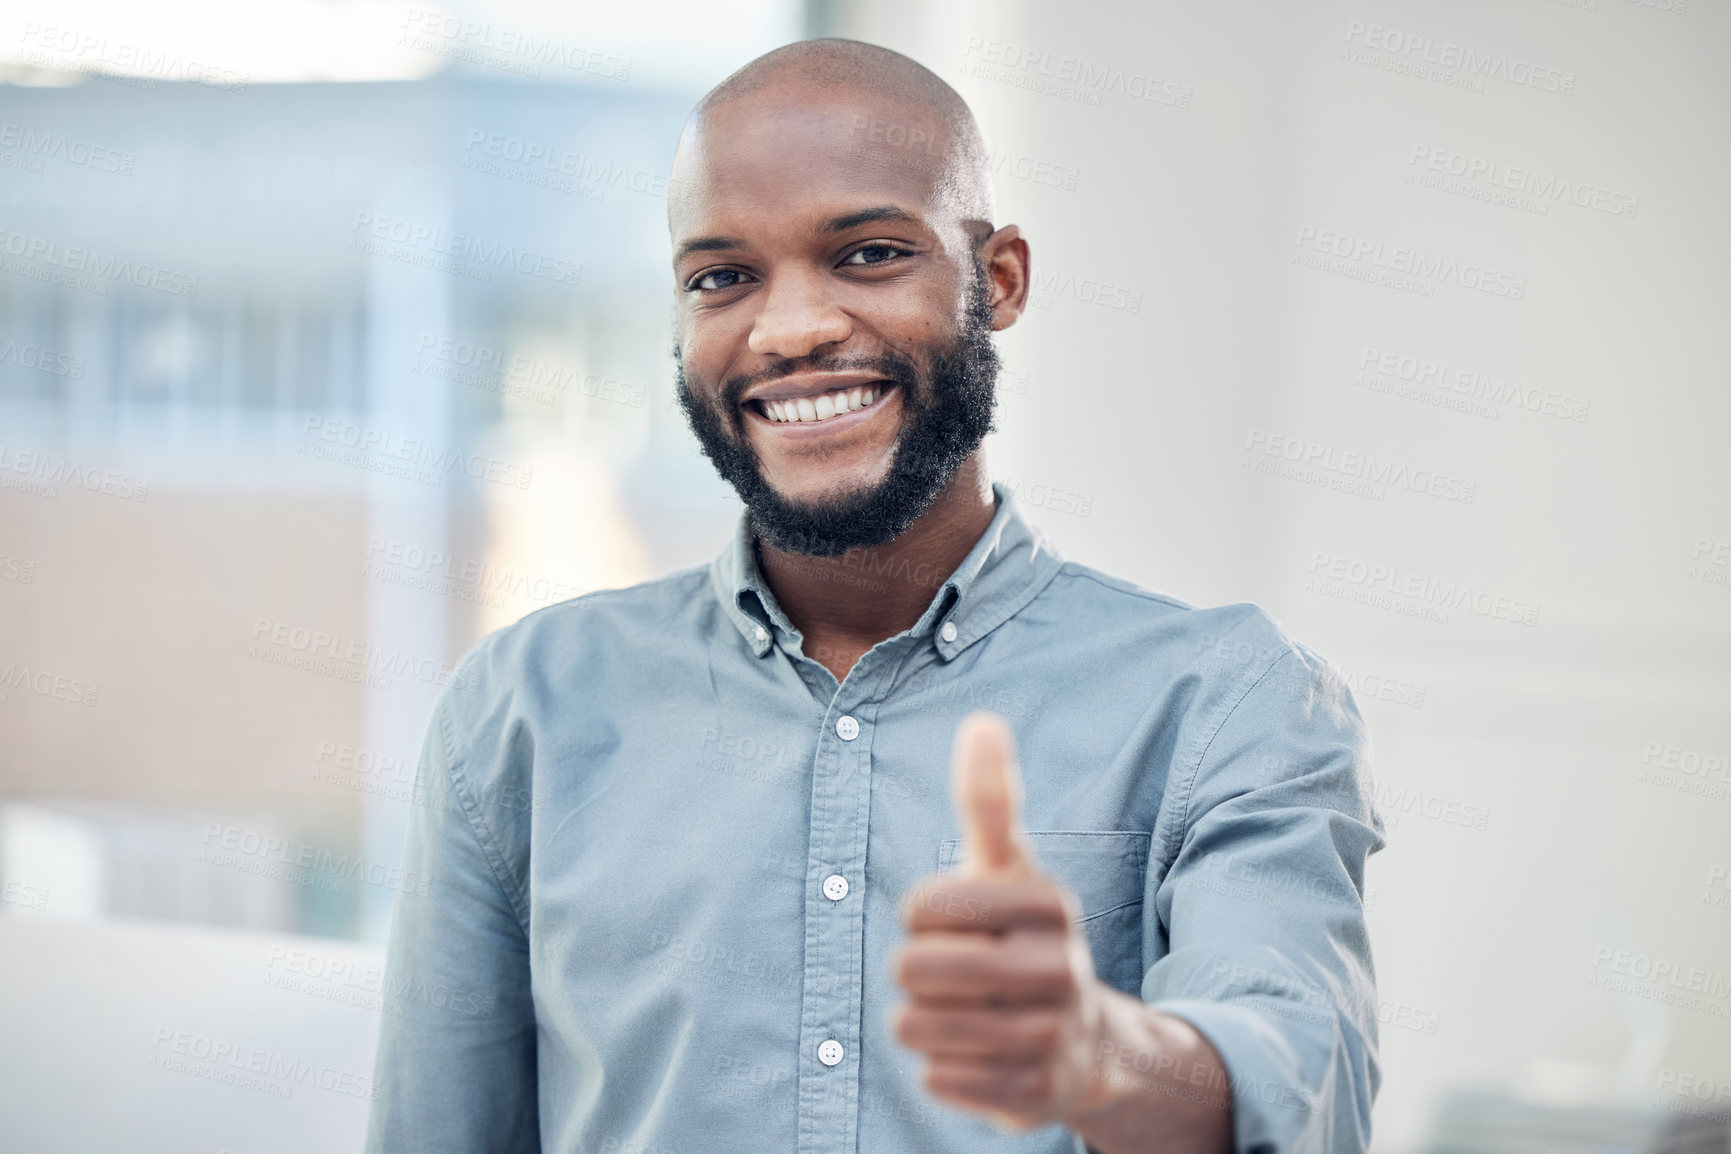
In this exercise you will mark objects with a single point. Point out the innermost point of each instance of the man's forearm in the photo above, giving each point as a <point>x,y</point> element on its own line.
<point>1157,1084</point>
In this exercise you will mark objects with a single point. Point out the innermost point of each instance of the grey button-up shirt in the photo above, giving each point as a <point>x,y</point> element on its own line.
<point>663,850</point>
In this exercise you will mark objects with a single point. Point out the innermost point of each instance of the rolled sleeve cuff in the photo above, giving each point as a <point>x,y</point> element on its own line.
<point>1273,1109</point>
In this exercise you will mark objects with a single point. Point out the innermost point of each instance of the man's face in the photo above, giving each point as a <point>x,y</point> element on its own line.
<point>817,265</point>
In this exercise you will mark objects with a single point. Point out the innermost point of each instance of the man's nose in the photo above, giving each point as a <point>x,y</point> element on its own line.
<point>795,319</point>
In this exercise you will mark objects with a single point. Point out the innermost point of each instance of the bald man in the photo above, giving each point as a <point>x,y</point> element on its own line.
<point>889,829</point>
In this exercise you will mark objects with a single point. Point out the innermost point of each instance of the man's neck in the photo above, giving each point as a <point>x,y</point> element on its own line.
<point>846,604</point>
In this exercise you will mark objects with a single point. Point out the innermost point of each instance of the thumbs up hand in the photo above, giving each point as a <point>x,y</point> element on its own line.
<point>1003,999</point>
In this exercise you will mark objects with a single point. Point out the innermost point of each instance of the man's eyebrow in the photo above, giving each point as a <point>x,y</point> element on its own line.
<point>842,223</point>
<point>707,244</point>
<point>870,216</point>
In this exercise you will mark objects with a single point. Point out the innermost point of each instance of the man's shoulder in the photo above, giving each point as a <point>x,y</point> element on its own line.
<point>1242,630</point>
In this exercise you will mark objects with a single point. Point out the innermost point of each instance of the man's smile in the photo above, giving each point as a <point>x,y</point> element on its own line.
<point>795,410</point>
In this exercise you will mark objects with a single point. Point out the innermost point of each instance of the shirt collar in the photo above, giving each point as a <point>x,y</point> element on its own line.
<point>1007,567</point>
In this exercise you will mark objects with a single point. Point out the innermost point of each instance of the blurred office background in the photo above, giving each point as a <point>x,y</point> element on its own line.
<point>1406,320</point>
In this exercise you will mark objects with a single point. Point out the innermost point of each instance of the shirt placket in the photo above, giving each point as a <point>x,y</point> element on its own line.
<point>830,1027</point>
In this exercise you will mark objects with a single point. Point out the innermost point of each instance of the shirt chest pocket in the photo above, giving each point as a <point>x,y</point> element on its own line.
<point>1106,870</point>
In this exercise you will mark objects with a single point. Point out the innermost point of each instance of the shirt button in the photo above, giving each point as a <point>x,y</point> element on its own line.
<point>847,728</point>
<point>835,887</point>
<point>948,632</point>
<point>762,634</point>
<point>830,1052</point>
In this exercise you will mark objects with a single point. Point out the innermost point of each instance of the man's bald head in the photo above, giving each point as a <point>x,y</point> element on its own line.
<point>893,111</point>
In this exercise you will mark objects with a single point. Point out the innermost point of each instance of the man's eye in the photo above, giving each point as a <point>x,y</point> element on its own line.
<point>721,278</point>
<point>873,254</point>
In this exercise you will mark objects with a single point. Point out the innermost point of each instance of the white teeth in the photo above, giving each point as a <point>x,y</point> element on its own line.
<point>822,407</point>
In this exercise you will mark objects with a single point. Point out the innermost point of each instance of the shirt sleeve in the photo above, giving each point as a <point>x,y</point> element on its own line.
<point>1263,907</point>
<point>456,1065</point>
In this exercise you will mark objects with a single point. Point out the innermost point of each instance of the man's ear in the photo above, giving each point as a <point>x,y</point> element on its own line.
<point>1004,256</point>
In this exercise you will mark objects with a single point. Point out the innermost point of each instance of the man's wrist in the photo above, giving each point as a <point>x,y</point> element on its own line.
<point>1151,1080</point>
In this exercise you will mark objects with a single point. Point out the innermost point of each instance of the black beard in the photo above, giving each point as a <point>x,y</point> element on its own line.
<point>947,412</point>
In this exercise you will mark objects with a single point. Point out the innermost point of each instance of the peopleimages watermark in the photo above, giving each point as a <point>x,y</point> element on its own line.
<point>1674,7</point>
<point>1066,77</point>
<point>39,144</point>
<point>713,964</point>
<point>461,254</point>
<point>892,134</point>
<point>1369,684</point>
<point>765,767</point>
<point>83,268</point>
<point>1084,290</point>
<point>528,378</point>
<point>379,451</point>
<point>25,896</point>
<point>1412,594</point>
<point>1661,980</point>
<point>522,52</point>
<point>379,775</point>
<point>1686,770</point>
<point>42,360</point>
<point>469,579</point>
<point>1203,1082</point>
<point>1395,804</point>
<point>44,472</point>
<point>15,568</point>
<point>755,1081</point>
<point>1464,390</point>
<point>251,1067</point>
<point>367,987</point>
<point>1289,994</point>
<point>966,694</point>
<point>777,755</point>
<point>1447,62</point>
<point>1040,495</point>
<point>1695,1094</point>
<point>268,855</point>
<point>1711,561</point>
<point>556,169</point>
<point>1718,879</point>
<point>864,567</point>
<point>1360,474</point>
<point>1522,187</point>
<point>1407,269</point>
<point>331,654</point>
<point>1359,682</point>
<point>46,683</point>
<point>1267,883</point>
<point>56,46</point>
<point>1003,162</point>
